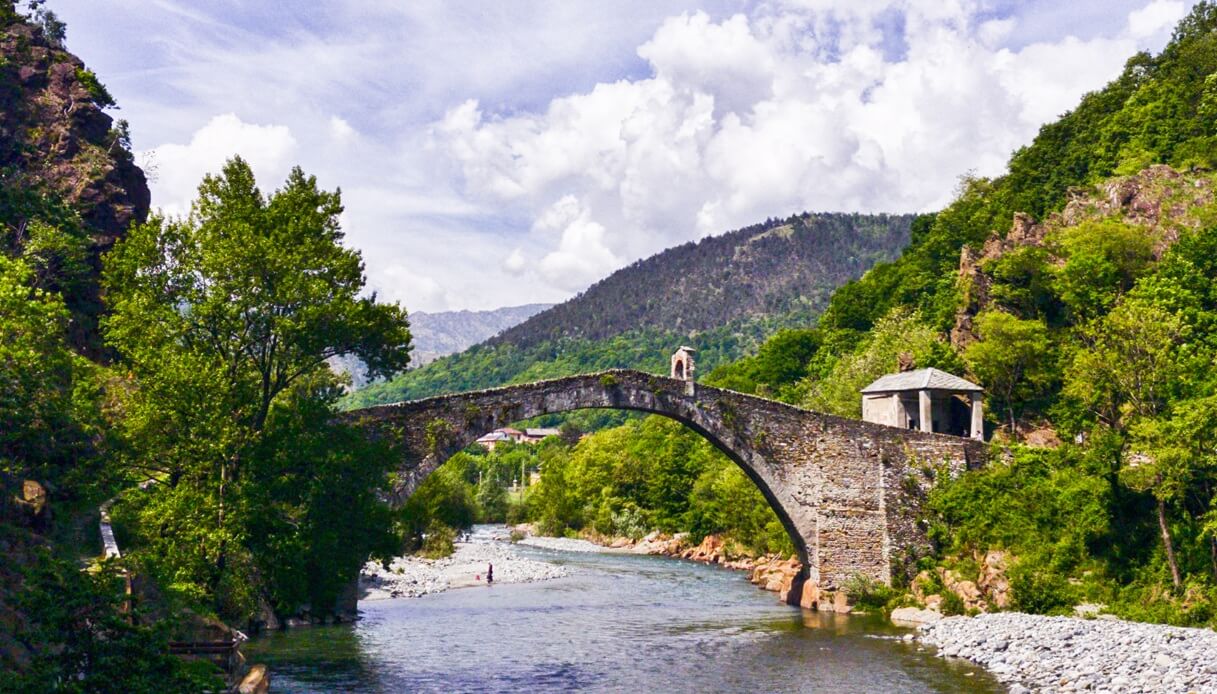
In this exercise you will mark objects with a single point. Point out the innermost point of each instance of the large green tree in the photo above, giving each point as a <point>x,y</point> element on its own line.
<point>225,320</point>
<point>1012,360</point>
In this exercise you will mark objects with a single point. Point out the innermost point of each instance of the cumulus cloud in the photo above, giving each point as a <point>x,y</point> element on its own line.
<point>1156,17</point>
<point>180,167</point>
<point>341,130</point>
<point>803,105</point>
<point>515,154</point>
<point>515,262</point>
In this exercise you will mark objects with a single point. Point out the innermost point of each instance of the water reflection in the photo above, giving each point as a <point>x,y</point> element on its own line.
<point>618,623</point>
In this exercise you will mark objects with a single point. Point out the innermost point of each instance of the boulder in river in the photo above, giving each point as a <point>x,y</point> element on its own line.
<point>913,616</point>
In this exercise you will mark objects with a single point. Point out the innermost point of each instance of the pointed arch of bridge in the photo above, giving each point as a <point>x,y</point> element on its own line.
<point>446,425</point>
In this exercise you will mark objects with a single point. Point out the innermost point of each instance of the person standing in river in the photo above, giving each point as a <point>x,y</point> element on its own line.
<point>489,574</point>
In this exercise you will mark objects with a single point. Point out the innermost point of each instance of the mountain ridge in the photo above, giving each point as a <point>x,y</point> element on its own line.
<point>440,333</point>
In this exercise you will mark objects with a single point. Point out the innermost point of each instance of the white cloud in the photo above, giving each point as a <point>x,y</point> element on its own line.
<point>1156,17</point>
<point>515,262</point>
<point>341,130</point>
<point>180,167</point>
<point>517,152</point>
<point>581,257</point>
<point>802,105</point>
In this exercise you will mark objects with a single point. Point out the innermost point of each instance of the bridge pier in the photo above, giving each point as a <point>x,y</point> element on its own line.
<point>847,491</point>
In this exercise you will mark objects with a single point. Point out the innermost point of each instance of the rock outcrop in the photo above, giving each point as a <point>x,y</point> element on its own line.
<point>1161,199</point>
<point>56,139</point>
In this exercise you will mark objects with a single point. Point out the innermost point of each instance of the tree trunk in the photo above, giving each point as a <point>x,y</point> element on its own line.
<point>1213,554</point>
<point>1166,542</point>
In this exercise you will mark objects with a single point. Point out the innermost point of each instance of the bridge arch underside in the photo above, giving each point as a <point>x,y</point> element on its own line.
<point>837,485</point>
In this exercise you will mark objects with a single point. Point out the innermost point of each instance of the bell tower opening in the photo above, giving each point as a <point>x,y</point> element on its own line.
<point>682,364</point>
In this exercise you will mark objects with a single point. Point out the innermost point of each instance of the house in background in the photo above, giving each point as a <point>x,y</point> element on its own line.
<point>537,435</point>
<point>925,399</point>
<point>516,436</point>
<point>493,439</point>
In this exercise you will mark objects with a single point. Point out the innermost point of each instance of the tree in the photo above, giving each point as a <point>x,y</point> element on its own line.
<point>1011,360</point>
<point>45,403</point>
<point>900,332</point>
<point>1127,367</point>
<point>1175,458</point>
<point>221,317</point>
<point>1103,259</point>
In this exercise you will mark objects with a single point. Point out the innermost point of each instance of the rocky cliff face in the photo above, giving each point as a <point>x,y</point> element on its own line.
<point>1160,199</point>
<point>56,139</point>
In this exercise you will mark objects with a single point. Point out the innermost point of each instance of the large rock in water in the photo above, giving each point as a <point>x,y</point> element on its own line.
<point>257,681</point>
<point>914,616</point>
<point>55,137</point>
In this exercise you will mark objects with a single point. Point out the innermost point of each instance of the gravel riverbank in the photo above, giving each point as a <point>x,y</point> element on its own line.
<point>411,577</point>
<point>1036,653</point>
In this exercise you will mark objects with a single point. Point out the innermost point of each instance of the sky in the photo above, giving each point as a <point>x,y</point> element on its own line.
<point>500,153</point>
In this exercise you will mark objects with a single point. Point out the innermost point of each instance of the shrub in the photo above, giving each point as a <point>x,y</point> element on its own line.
<point>1039,590</point>
<point>868,594</point>
<point>952,604</point>
<point>438,542</point>
<point>97,91</point>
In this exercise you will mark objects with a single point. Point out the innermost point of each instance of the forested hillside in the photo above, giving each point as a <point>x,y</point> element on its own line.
<point>723,295</point>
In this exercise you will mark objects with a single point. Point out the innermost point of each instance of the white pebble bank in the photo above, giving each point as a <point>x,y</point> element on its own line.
<point>1036,653</point>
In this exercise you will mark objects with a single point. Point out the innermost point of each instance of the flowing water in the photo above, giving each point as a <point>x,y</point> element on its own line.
<point>617,623</point>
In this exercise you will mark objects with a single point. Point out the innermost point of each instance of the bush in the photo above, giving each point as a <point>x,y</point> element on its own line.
<point>952,604</point>
<point>868,594</point>
<point>438,542</point>
<point>1039,590</point>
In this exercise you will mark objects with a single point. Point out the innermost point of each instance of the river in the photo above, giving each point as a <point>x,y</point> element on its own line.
<point>617,623</point>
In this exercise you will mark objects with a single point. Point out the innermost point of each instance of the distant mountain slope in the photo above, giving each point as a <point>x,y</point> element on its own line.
<point>448,332</point>
<point>722,294</point>
<point>762,270</point>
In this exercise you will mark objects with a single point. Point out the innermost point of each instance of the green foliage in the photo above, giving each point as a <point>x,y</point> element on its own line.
<point>97,91</point>
<point>82,643</point>
<point>867,594</point>
<point>647,475</point>
<point>1040,590</point>
<point>438,542</point>
<point>1043,502</point>
<point>952,605</point>
<point>445,499</point>
<point>837,380</point>
<point>776,368</point>
<point>1012,361</point>
<point>1129,364</point>
<point>225,320</point>
<point>1103,259</point>
<point>48,403</point>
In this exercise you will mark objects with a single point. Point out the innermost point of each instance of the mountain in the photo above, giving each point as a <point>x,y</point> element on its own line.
<point>722,294</point>
<point>447,332</point>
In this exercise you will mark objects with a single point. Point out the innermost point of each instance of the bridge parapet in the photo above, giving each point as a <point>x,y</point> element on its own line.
<point>847,491</point>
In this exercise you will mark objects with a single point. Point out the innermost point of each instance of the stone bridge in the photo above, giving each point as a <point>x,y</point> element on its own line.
<point>847,491</point>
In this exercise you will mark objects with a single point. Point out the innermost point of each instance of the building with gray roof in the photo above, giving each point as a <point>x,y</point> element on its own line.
<point>925,399</point>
